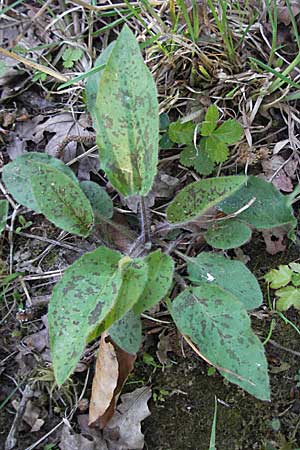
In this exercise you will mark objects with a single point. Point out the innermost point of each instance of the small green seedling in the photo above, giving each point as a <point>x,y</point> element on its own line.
<point>70,56</point>
<point>285,281</point>
<point>213,145</point>
<point>105,290</point>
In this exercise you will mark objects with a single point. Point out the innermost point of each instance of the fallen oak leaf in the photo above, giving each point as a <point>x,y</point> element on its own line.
<point>124,430</point>
<point>74,441</point>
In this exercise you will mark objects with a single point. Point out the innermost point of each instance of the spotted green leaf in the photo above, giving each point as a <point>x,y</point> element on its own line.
<point>288,296</point>
<point>3,214</point>
<point>93,81</point>
<point>269,209</point>
<point>219,325</point>
<point>279,277</point>
<point>134,281</point>
<point>80,300</point>
<point>197,197</point>
<point>61,200</point>
<point>99,199</point>
<point>127,332</point>
<point>226,234</point>
<point>232,276</point>
<point>126,118</point>
<point>98,288</point>
<point>17,176</point>
<point>210,121</point>
<point>160,275</point>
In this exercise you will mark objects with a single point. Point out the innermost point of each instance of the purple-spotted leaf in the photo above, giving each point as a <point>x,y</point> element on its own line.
<point>232,276</point>
<point>198,197</point>
<point>160,275</point>
<point>135,276</point>
<point>226,234</point>
<point>61,200</point>
<point>127,332</point>
<point>100,287</point>
<point>99,199</point>
<point>17,176</point>
<point>126,118</point>
<point>93,81</point>
<point>220,327</point>
<point>268,208</point>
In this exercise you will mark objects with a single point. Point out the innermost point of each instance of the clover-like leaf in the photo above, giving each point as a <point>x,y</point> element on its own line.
<point>232,276</point>
<point>288,296</point>
<point>279,277</point>
<point>181,133</point>
<point>197,197</point>
<point>215,148</point>
<point>198,159</point>
<point>219,325</point>
<point>229,132</point>
<point>126,118</point>
<point>210,121</point>
<point>70,56</point>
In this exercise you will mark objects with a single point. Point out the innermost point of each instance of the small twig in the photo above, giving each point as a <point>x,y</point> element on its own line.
<point>49,241</point>
<point>11,238</point>
<point>281,347</point>
<point>91,139</point>
<point>145,316</point>
<point>11,439</point>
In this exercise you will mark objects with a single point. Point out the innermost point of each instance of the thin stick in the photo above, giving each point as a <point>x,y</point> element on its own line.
<point>12,436</point>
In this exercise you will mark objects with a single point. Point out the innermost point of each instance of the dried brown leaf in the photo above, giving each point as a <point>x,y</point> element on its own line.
<point>32,415</point>
<point>163,347</point>
<point>117,233</point>
<point>283,12</point>
<point>74,441</point>
<point>112,369</point>
<point>124,430</point>
<point>105,380</point>
<point>274,240</point>
<point>275,168</point>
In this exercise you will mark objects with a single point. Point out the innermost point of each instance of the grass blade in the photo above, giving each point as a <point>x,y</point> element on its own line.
<point>212,442</point>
